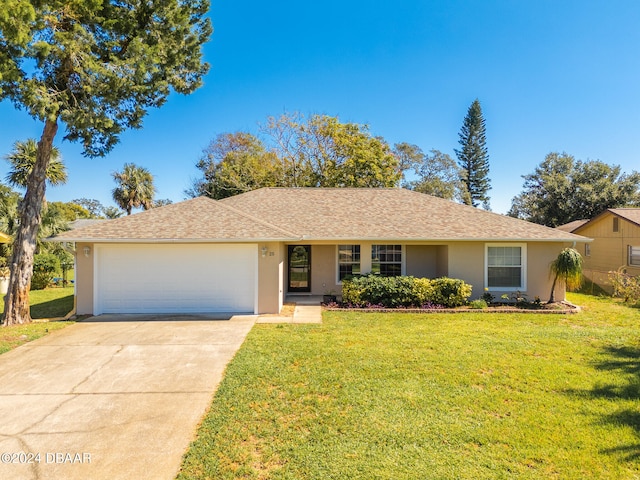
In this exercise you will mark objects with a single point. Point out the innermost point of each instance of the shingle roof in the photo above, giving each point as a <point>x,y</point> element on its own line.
<point>391,214</point>
<point>198,219</point>
<point>572,226</point>
<point>297,214</point>
<point>630,214</point>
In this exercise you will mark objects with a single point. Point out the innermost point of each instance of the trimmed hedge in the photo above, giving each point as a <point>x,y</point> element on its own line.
<point>404,291</point>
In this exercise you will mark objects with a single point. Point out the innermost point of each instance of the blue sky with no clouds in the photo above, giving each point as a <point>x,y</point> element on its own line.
<point>550,75</point>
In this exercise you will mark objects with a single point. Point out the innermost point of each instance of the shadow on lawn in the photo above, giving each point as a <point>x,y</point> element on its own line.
<point>626,361</point>
<point>58,307</point>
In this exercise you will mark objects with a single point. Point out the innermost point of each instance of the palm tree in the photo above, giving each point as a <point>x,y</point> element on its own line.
<point>567,267</point>
<point>22,159</point>
<point>135,188</point>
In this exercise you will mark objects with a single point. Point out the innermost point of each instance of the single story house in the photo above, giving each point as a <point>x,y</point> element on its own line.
<point>247,253</point>
<point>616,243</point>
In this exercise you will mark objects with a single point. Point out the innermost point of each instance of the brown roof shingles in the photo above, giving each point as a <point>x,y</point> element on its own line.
<point>395,213</point>
<point>297,214</point>
<point>198,219</point>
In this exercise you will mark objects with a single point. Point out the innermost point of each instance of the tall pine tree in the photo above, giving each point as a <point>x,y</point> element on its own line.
<point>473,157</point>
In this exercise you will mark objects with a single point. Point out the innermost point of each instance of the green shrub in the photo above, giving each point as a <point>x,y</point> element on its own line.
<point>625,286</point>
<point>351,291</point>
<point>422,291</point>
<point>45,267</point>
<point>404,291</point>
<point>376,290</point>
<point>479,304</point>
<point>450,292</point>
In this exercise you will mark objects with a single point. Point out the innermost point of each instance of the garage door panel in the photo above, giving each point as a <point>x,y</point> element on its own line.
<point>175,278</point>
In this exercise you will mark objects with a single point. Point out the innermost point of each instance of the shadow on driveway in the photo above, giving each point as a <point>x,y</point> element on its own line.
<point>163,317</point>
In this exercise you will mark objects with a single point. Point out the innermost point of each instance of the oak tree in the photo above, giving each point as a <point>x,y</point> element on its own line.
<point>562,189</point>
<point>439,175</point>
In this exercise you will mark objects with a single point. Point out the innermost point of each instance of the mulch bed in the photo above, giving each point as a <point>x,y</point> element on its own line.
<point>561,308</point>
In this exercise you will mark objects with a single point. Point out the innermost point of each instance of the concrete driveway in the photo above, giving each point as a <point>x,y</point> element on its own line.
<point>112,397</point>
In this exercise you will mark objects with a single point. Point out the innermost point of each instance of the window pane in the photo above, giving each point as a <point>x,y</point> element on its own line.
<point>504,256</point>
<point>504,267</point>
<point>348,260</point>
<point>386,260</point>
<point>634,256</point>
<point>504,277</point>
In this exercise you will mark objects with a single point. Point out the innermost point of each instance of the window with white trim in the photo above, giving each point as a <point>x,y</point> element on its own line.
<point>634,256</point>
<point>505,266</point>
<point>348,261</point>
<point>587,250</point>
<point>386,260</point>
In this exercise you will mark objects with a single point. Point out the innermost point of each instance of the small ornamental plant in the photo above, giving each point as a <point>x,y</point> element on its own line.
<point>567,268</point>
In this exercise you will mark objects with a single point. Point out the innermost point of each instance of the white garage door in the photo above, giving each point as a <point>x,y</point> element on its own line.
<point>157,278</point>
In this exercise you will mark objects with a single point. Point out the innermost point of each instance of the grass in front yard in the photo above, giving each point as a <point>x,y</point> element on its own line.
<point>439,396</point>
<point>49,303</point>
<point>15,335</point>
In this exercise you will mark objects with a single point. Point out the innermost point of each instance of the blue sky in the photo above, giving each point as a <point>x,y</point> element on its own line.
<point>550,75</point>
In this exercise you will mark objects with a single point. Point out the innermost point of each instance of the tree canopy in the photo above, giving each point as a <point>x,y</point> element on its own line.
<point>438,175</point>
<point>97,67</point>
<point>22,159</point>
<point>562,189</point>
<point>319,151</point>
<point>473,156</point>
<point>235,163</point>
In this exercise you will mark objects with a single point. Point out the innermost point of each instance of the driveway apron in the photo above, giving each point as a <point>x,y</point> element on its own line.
<point>113,397</point>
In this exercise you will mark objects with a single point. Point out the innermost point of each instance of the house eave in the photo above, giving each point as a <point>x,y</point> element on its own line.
<point>169,240</point>
<point>446,239</point>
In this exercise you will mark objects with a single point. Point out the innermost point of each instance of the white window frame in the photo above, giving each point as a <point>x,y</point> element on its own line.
<point>523,267</point>
<point>633,256</point>
<point>402,255</point>
<point>338,263</point>
<point>587,249</point>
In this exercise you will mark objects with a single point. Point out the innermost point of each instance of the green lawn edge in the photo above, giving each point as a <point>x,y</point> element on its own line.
<point>45,304</point>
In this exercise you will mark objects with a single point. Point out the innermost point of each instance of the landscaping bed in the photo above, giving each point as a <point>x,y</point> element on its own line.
<point>561,308</point>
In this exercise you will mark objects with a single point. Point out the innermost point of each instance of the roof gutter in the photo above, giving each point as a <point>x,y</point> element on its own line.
<point>170,240</point>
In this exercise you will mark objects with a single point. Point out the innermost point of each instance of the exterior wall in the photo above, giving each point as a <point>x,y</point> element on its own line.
<point>270,277</point>
<point>539,280</point>
<point>609,248</point>
<point>467,262</point>
<point>323,270</point>
<point>84,279</point>
<point>429,261</point>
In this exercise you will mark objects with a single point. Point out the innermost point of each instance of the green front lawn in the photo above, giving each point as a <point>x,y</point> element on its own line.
<point>437,396</point>
<point>49,303</point>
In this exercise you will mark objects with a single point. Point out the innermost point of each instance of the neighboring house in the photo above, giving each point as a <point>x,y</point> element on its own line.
<point>246,253</point>
<point>616,242</point>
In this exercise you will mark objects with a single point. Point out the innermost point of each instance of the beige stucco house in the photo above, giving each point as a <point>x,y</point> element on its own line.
<point>616,243</point>
<point>247,253</point>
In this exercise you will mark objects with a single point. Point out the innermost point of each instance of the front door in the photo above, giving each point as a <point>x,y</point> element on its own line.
<point>300,268</point>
